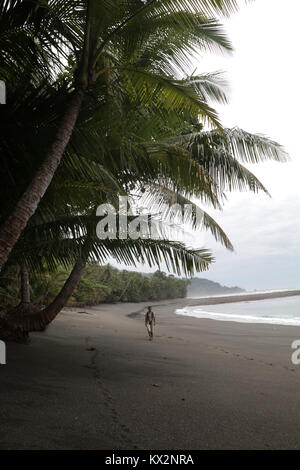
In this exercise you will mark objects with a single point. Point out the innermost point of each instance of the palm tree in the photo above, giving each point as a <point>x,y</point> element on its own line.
<point>126,133</point>
<point>46,240</point>
<point>92,31</point>
<point>94,170</point>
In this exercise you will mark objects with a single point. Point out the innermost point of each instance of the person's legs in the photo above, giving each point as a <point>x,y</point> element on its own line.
<point>148,326</point>
<point>151,330</point>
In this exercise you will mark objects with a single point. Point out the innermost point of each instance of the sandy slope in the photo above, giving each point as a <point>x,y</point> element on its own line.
<point>220,384</point>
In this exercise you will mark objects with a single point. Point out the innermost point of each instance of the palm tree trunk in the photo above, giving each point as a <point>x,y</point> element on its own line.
<point>25,307</point>
<point>25,287</point>
<point>42,318</point>
<point>26,206</point>
<point>16,325</point>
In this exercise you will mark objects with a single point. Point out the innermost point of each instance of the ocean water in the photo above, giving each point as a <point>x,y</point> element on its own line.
<point>281,311</point>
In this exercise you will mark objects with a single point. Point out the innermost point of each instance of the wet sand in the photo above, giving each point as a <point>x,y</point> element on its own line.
<point>93,380</point>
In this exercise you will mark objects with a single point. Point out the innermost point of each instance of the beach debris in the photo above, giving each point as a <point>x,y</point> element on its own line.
<point>91,348</point>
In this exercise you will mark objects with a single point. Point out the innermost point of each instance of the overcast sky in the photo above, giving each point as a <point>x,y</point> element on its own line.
<point>264,98</point>
<point>264,79</point>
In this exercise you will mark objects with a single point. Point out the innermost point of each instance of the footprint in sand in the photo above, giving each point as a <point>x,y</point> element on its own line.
<point>289,368</point>
<point>224,351</point>
<point>125,428</point>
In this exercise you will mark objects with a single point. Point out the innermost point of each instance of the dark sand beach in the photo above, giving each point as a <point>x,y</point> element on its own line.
<point>92,380</point>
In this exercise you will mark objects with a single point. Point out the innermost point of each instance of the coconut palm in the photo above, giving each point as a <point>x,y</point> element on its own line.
<point>176,168</point>
<point>165,152</point>
<point>92,31</point>
<point>139,129</point>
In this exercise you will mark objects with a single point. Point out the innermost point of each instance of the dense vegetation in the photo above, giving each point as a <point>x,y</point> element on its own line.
<point>98,284</point>
<point>102,101</point>
<point>106,284</point>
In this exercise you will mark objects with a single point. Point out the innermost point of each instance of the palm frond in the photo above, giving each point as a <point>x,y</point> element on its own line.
<point>163,199</point>
<point>164,92</point>
<point>177,168</point>
<point>246,147</point>
<point>176,256</point>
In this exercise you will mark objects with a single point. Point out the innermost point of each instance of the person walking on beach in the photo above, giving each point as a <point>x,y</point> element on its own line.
<point>150,322</point>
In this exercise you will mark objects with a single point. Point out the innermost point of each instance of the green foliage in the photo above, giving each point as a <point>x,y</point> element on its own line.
<point>107,284</point>
<point>89,292</point>
<point>140,129</point>
<point>98,284</point>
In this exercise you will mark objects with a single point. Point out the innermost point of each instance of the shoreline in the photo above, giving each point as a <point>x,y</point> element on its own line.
<point>242,297</point>
<point>181,303</point>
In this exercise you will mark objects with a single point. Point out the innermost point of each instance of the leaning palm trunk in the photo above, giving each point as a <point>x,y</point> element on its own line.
<point>26,206</point>
<point>25,307</point>
<point>16,325</point>
<point>41,319</point>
